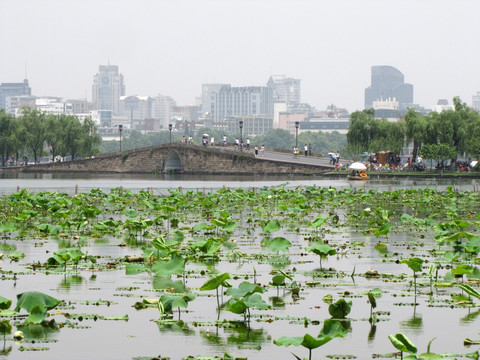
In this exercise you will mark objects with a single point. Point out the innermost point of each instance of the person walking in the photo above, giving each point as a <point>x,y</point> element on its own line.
<point>262,149</point>
<point>212,141</point>
<point>256,151</point>
<point>305,149</point>
<point>309,149</point>
<point>248,144</point>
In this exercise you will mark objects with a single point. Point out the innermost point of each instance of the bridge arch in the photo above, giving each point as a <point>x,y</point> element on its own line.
<point>173,162</point>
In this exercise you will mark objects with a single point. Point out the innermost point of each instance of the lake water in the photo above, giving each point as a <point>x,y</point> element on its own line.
<point>70,183</point>
<point>142,338</point>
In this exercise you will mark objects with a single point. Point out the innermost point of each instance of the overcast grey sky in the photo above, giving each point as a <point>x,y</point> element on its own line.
<point>171,47</point>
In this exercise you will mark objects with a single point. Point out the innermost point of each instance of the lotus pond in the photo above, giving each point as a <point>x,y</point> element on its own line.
<point>275,273</point>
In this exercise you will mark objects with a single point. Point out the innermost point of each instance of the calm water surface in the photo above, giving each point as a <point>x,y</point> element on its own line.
<point>160,183</point>
<point>141,336</point>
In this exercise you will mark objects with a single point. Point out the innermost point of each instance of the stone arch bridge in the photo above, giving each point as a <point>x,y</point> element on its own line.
<point>180,158</point>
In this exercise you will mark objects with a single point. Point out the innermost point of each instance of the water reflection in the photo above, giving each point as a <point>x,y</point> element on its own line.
<point>45,330</point>
<point>470,317</point>
<point>73,281</point>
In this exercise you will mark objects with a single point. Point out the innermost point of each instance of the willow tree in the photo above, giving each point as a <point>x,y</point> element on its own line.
<point>32,131</point>
<point>415,130</point>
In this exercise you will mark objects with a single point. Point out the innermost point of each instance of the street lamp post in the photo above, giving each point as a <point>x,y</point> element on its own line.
<point>170,128</point>
<point>297,124</point>
<point>120,128</point>
<point>240,123</point>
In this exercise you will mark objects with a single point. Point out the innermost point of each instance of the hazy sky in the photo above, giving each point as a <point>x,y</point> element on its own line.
<point>171,47</point>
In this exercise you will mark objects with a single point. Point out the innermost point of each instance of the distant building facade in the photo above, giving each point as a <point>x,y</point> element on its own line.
<point>13,104</point>
<point>222,101</point>
<point>13,89</point>
<point>136,109</point>
<point>388,82</point>
<point>252,125</point>
<point>108,87</point>
<point>285,89</point>
<point>162,111</point>
<point>476,101</point>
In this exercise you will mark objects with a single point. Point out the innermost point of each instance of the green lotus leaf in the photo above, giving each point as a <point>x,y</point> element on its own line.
<point>215,282</point>
<point>340,309</point>
<point>414,263</point>
<point>133,269</point>
<point>278,280</point>
<point>278,244</point>
<point>5,303</point>
<point>255,301</point>
<point>322,250</point>
<point>469,290</point>
<point>245,288</point>
<point>402,343</point>
<point>462,270</point>
<point>8,227</point>
<point>236,306</point>
<point>271,226</point>
<point>165,268</point>
<point>5,327</point>
<point>131,213</point>
<point>37,304</point>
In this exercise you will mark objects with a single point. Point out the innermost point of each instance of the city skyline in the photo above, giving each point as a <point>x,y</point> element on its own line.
<point>172,48</point>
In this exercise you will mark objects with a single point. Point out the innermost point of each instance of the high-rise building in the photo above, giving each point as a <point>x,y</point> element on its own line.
<point>13,89</point>
<point>107,89</point>
<point>222,101</point>
<point>162,110</point>
<point>388,83</point>
<point>210,99</point>
<point>136,109</point>
<point>285,89</point>
<point>476,101</point>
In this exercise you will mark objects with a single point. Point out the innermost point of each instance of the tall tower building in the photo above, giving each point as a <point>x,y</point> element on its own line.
<point>107,89</point>
<point>388,83</point>
<point>13,89</point>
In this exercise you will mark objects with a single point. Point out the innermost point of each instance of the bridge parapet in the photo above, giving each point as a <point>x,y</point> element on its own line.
<point>179,157</point>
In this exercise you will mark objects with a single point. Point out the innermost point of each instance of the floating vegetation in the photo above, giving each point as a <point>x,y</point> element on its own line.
<point>239,270</point>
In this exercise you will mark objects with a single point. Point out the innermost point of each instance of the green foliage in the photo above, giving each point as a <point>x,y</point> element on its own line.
<point>215,282</point>
<point>340,309</point>
<point>278,244</point>
<point>413,263</point>
<point>37,304</point>
<point>330,330</point>
<point>165,268</point>
<point>271,226</point>
<point>5,303</point>
<point>402,343</point>
<point>438,152</point>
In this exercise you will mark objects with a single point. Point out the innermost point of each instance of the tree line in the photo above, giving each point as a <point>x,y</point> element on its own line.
<point>35,134</point>
<point>437,136</point>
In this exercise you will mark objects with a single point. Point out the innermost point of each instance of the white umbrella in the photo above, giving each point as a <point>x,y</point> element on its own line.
<point>357,166</point>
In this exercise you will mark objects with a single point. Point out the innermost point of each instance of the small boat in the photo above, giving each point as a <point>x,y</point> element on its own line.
<point>361,175</point>
<point>358,171</point>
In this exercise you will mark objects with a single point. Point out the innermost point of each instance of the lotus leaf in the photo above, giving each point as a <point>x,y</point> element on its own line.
<point>402,343</point>
<point>271,226</point>
<point>165,268</point>
<point>340,309</point>
<point>215,282</point>
<point>37,304</point>
<point>245,288</point>
<point>5,303</point>
<point>278,244</point>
